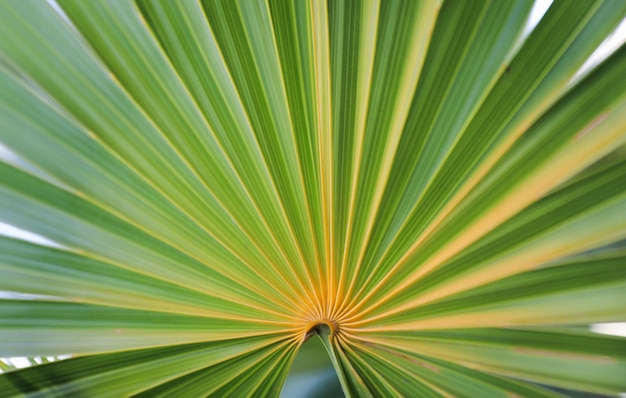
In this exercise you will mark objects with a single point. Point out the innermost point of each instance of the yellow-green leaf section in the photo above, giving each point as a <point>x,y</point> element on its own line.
<point>418,183</point>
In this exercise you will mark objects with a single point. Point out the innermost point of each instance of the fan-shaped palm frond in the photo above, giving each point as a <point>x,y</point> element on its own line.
<point>416,182</point>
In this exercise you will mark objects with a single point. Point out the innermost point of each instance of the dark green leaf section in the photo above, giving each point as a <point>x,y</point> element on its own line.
<point>115,120</point>
<point>574,360</point>
<point>348,30</point>
<point>292,24</point>
<point>68,219</point>
<point>450,82</point>
<point>187,39</point>
<point>402,381</point>
<point>582,342</point>
<point>567,276</point>
<point>537,222</point>
<point>153,83</point>
<point>543,296</point>
<point>450,377</point>
<point>55,328</point>
<point>598,96</point>
<point>564,38</point>
<point>34,269</point>
<point>402,39</point>
<point>259,373</point>
<point>153,371</point>
<point>255,73</point>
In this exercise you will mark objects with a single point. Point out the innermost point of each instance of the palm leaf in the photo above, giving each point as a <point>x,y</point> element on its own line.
<point>431,191</point>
